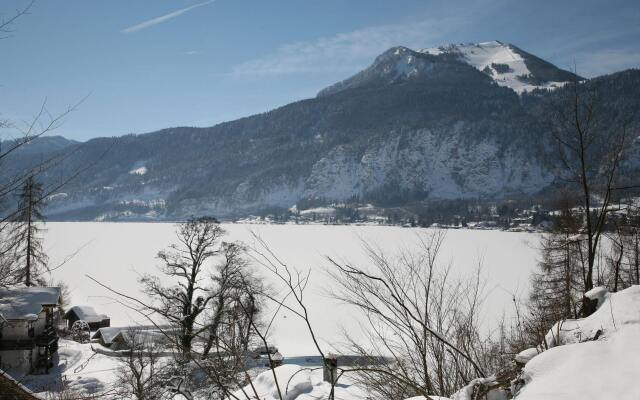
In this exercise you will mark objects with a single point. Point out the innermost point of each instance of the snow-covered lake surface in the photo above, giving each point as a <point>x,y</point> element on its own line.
<point>117,253</point>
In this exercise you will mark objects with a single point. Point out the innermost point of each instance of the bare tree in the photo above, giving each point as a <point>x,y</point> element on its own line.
<point>590,151</point>
<point>213,308</point>
<point>421,324</point>
<point>236,305</point>
<point>184,302</point>
<point>140,373</point>
<point>623,258</point>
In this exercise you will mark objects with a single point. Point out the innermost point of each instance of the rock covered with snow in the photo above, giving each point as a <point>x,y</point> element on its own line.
<point>597,293</point>
<point>526,355</point>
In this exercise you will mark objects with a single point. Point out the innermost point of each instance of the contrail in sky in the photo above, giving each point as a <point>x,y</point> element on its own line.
<point>163,18</point>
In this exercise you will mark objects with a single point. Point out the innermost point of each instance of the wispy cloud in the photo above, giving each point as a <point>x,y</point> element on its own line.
<point>163,18</point>
<point>346,51</point>
<point>193,52</point>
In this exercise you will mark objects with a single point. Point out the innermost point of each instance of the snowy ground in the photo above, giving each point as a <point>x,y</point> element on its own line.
<point>583,368</point>
<point>79,367</point>
<point>116,253</point>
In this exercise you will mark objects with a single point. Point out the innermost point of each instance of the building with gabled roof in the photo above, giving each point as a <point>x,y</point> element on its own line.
<point>28,338</point>
<point>89,315</point>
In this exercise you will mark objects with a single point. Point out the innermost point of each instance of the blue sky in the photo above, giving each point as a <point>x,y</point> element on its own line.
<point>147,65</point>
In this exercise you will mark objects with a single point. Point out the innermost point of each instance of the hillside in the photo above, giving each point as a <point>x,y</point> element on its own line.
<point>455,122</point>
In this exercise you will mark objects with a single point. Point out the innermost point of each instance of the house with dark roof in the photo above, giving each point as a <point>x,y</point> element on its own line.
<point>87,314</point>
<point>28,338</point>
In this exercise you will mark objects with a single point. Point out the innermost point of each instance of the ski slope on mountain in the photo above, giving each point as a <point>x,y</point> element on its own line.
<point>500,61</point>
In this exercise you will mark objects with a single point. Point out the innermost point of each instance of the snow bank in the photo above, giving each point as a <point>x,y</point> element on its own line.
<point>526,355</point>
<point>585,369</point>
<point>615,310</point>
<point>597,293</point>
<point>298,383</point>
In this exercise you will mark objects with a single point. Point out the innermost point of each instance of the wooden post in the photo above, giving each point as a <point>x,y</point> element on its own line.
<point>330,370</point>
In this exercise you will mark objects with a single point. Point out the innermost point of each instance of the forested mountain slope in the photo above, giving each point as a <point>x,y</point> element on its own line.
<point>460,121</point>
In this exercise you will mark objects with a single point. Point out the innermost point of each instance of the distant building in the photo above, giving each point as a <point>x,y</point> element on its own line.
<point>122,338</point>
<point>113,337</point>
<point>89,315</point>
<point>28,338</point>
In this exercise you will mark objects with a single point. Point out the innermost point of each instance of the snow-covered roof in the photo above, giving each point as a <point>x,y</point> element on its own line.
<point>108,335</point>
<point>26,303</point>
<point>86,313</point>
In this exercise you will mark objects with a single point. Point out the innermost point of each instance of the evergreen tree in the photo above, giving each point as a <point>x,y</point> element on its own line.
<point>30,261</point>
<point>558,285</point>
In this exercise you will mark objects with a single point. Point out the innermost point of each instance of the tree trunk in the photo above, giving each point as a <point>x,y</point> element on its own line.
<point>28,265</point>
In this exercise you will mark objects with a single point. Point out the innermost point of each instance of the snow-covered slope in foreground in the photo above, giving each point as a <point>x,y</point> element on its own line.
<point>298,383</point>
<point>577,368</point>
<point>581,368</point>
<point>503,62</point>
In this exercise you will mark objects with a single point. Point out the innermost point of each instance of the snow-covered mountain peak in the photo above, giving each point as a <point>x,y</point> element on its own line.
<point>506,64</point>
<point>396,64</point>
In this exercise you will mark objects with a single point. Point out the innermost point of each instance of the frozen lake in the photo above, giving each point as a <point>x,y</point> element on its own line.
<point>117,253</point>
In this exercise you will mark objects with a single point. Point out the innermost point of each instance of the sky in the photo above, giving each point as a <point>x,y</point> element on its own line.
<point>137,66</point>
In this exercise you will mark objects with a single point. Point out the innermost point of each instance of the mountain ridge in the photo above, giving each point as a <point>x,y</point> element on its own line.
<point>451,132</point>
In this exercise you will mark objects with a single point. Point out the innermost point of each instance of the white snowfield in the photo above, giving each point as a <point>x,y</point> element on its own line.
<point>139,171</point>
<point>483,55</point>
<point>117,253</point>
<point>580,368</point>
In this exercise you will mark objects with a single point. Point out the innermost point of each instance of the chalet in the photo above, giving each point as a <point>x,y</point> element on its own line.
<point>112,337</point>
<point>87,314</point>
<point>28,337</point>
<point>121,338</point>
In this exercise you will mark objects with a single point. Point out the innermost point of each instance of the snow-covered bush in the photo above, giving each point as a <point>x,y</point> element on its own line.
<point>80,331</point>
